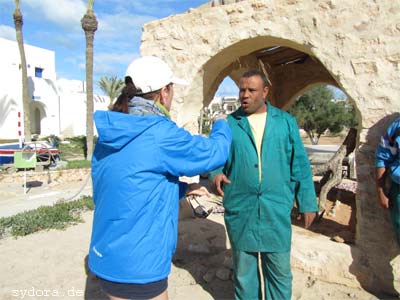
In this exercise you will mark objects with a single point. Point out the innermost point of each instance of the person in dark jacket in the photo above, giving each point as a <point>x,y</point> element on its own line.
<point>387,163</point>
<point>266,171</point>
<point>138,159</point>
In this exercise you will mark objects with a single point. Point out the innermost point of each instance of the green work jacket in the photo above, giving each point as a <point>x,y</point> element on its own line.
<point>257,214</point>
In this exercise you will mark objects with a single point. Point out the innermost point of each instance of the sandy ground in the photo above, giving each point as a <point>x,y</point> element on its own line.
<point>52,265</point>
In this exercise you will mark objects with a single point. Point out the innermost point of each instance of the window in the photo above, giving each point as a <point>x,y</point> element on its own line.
<point>38,72</point>
<point>230,107</point>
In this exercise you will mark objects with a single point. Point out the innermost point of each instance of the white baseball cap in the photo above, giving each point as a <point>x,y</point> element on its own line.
<point>150,73</point>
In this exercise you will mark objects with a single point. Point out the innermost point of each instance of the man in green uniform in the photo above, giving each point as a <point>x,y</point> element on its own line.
<point>267,170</point>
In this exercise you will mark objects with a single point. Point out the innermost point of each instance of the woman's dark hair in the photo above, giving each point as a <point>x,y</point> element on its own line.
<point>127,93</point>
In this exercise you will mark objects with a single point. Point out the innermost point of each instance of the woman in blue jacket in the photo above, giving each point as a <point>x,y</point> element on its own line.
<point>137,161</point>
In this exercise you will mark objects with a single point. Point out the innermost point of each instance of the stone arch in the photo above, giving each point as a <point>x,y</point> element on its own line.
<point>356,42</point>
<point>240,57</point>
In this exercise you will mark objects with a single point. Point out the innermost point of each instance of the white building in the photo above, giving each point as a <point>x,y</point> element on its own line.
<point>56,106</point>
<point>226,105</point>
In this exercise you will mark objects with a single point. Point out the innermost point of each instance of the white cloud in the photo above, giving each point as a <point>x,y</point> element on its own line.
<point>112,64</point>
<point>82,66</point>
<point>117,42</point>
<point>155,8</point>
<point>7,32</point>
<point>65,13</point>
<point>121,26</point>
<point>115,58</point>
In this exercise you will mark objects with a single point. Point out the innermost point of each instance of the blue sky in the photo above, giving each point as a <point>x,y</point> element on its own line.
<point>55,25</point>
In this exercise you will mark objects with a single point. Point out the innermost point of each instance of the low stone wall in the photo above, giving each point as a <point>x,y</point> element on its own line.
<point>47,176</point>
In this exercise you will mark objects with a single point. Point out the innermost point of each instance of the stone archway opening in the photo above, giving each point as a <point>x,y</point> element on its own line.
<point>291,68</point>
<point>331,124</point>
<point>38,113</point>
<point>292,73</point>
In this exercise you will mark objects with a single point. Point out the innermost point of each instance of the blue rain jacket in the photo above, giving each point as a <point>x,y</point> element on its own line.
<point>135,168</point>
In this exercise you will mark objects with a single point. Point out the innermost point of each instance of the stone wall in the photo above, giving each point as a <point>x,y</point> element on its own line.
<point>357,42</point>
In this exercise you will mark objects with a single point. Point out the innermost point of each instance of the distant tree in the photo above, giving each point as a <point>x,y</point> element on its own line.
<point>316,112</point>
<point>111,86</point>
<point>350,117</point>
<point>18,22</point>
<point>204,121</point>
<point>89,26</point>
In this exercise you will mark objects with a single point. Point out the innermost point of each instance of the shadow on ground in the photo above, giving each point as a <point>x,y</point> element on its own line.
<point>339,219</point>
<point>202,251</point>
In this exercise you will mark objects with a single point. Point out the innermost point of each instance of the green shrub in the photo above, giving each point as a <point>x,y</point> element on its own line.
<point>78,164</point>
<point>76,148</point>
<point>58,216</point>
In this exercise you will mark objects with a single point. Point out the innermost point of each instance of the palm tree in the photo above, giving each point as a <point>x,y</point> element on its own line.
<point>18,21</point>
<point>89,26</point>
<point>111,86</point>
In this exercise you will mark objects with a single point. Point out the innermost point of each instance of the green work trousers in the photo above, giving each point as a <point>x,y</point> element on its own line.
<point>394,196</point>
<point>276,272</point>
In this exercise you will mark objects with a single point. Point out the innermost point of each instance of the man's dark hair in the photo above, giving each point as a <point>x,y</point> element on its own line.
<point>256,72</point>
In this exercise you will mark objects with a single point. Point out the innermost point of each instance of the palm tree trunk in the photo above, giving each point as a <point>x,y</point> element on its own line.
<point>18,21</point>
<point>89,25</point>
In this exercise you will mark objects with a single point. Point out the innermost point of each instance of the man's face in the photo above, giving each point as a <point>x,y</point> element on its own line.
<point>252,95</point>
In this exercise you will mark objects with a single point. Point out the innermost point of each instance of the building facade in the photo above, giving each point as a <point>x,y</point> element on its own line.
<point>57,106</point>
